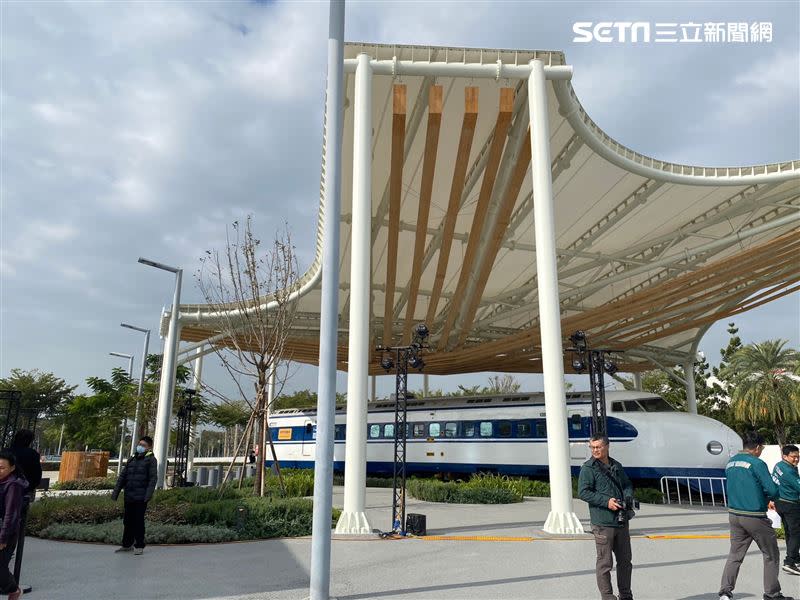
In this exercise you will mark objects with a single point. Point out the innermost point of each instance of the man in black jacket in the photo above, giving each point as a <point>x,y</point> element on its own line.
<point>138,479</point>
<point>29,461</point>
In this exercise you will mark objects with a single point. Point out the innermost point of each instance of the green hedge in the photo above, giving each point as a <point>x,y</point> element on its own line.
<point>92,483</point>
<point>173,514</point>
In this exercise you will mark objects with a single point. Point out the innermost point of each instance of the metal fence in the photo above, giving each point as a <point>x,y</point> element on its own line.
<point>694,490</point>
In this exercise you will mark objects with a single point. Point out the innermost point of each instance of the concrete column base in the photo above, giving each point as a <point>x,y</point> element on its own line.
<point>353,523</point>
<point>558,522</point>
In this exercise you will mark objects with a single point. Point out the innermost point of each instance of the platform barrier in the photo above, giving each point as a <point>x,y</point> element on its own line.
<point>696,490</point>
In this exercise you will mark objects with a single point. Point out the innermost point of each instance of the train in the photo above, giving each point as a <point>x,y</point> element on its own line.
<point>507,434</point>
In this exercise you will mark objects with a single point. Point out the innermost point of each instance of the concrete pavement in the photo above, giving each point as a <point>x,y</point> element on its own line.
<point>664,568</point>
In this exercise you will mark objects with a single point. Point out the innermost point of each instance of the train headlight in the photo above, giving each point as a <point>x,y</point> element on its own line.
<point>714,447</point>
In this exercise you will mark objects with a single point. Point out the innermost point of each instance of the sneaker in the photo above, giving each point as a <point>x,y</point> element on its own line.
<point>124,549</point>
<point>778,597</point>
<point>138,551</point>
<point>15,595</point>
<point>725,597</point>
<point>791,568</point>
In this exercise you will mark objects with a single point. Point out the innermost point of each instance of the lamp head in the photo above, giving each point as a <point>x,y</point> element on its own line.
<point>421,331</point>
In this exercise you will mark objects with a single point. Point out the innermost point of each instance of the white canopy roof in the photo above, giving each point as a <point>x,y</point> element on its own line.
<point>650,253</point>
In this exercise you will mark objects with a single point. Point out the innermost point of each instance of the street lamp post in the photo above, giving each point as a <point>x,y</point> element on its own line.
<point>169,365</point>
<point>125,417</point>
<point>141,381</point>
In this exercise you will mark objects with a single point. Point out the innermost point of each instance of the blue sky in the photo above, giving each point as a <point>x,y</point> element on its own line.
<point>135,129</point>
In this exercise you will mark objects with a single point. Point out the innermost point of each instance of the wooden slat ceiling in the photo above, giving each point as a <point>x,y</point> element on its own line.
<point>645,264</point>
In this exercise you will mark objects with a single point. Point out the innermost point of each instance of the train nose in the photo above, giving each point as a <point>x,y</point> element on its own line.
<point>734,442</point>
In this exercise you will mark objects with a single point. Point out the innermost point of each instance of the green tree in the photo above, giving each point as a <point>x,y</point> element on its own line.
<point>42,393</point>
<point>764,391</point>
<point>303,399</point>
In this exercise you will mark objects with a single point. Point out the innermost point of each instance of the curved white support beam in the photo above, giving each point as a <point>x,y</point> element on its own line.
<point>496,70</point>
<point>617,154</point>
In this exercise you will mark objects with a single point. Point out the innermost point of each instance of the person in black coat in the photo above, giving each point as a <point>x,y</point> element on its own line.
<point>12,490</point>
<point>138,480</point>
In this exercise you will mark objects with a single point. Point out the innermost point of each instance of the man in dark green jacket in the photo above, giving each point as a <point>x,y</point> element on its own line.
<point>604,486</point>
<point>788,505</point>
<point>750,489</point>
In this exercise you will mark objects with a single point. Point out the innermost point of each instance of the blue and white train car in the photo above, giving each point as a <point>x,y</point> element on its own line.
<point>508,434</point>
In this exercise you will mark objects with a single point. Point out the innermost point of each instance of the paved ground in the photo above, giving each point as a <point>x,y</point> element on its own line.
<point>669,569</point>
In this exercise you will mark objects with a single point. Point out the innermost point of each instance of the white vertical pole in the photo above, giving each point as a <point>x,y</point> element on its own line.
<point>320,572</point>
<point>142,374</point>
<point>691,394</point>
<point>425,385</point>
<point>374,395</point>
<point>353,520</point>
<point>166,390</point>
<point>561,519</point>
<point>124,422</point>
<point>197,383</point>
<point>637,382</point>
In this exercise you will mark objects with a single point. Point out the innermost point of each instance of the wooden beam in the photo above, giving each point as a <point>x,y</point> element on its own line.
<point>456,189</point>
<point>395,199</point>
<point>435,104</point>
<point>501,126</point>
<point>497,238</point>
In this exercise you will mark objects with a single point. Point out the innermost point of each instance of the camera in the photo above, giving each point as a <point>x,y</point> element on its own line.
<point>625,514</point>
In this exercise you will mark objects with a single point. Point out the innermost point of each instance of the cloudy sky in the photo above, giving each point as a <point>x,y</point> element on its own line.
<point>143,128</point>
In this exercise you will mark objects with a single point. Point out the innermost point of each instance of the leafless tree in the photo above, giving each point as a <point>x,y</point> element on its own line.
<point>249,286</point>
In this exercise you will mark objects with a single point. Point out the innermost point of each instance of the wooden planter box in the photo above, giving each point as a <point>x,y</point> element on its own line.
<point>82,465</point>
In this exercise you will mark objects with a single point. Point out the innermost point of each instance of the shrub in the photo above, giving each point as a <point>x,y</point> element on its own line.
<point>157,533</point>
<point>72,509</point>
<point>781,533</point>
<point>648,495</point>
<point>92,483</point>
<point>484,491</point>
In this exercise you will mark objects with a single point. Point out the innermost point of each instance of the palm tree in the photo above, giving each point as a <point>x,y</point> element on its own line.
<point>764,388</point>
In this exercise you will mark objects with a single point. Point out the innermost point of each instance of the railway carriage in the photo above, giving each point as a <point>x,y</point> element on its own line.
<point>507,434</point>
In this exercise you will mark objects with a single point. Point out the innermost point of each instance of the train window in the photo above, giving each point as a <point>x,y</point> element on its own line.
<point>469,429</point>
<point>656,405</point>
<point>450,430</point>
<point>338,432</point>
<point>617,407</point>
<point>388,430</point>
<point>434,429</point>
<point>633,406</point>
<point>486,429</point>
<point>374,431</point>
<point>419,430</point>
<point>575,422</point>
<point>541,429</point>
<point>504,429</point>
<point>524,429</point>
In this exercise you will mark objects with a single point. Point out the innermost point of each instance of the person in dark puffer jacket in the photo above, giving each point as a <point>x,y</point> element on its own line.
<point>138,480</point>
<point>12,488</point>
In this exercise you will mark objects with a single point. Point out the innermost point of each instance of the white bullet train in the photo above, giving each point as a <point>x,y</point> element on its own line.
<point>507,434</point>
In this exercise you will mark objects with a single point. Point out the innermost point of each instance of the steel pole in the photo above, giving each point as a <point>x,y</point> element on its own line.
<point>142,373</point>
<point>353,519</point>
<point>166,392</point>
<point>561,519</point>
<point>197,381</point>
<point>319,588</point>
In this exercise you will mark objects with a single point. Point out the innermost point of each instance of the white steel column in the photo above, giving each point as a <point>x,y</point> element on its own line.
<point>374,381</point>
<point>637,382</point>
<point>166,390</point>
<point>320,573</point>
<point>197,382</point>
<point>425,385</point>
<point>561,519</point>
<point>691,394</point>
<point>353,519</point>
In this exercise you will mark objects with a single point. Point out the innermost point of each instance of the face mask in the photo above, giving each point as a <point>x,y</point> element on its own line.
<point>140,449</point>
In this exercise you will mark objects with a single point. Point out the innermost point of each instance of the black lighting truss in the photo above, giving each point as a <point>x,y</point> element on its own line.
<point>9,415</point>
<point>399,358</point>
<point>599,364</point>
<point>182,438</point>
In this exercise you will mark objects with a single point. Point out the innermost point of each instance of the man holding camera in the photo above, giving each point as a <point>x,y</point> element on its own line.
<point>605,487</point>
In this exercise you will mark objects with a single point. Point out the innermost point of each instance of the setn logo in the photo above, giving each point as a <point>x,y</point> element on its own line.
<point>608,31</point>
